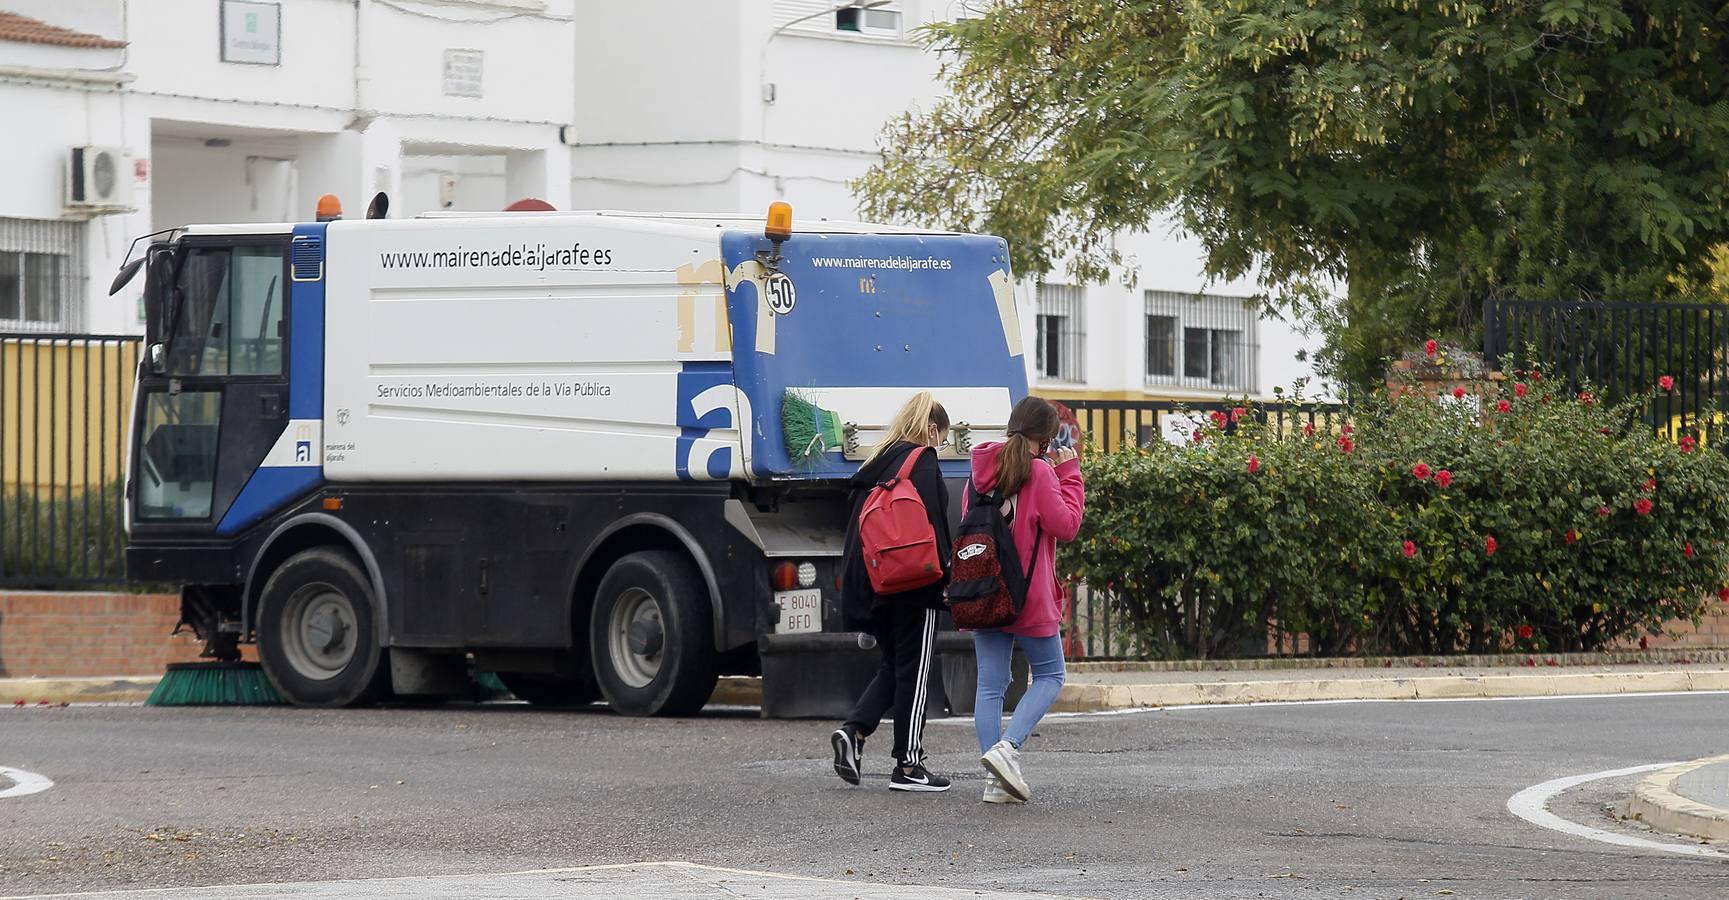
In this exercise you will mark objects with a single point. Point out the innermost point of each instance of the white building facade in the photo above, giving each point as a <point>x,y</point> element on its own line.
<point>240,111</point>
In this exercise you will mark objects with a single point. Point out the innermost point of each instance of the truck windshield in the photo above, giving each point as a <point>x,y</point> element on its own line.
<point>229,315</point>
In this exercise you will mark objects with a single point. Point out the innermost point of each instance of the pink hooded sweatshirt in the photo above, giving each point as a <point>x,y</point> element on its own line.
<point>1052,501</point>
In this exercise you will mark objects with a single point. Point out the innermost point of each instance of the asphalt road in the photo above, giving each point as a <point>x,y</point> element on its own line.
<point>1331,800</point>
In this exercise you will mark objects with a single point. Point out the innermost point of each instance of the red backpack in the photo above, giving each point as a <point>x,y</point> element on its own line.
<point>900,546</point>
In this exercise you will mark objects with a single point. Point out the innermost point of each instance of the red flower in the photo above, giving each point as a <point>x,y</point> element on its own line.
<point>1688,443</point>
<point>1254,464</point>
<point>1430,348</point>
<point>1458,393</point>
<point>1199,436</point>
<point>1504,407</point>
<point>1219,420</point>
<point>1421,471</point>
<point>1346,444</point>
<point>1650,484</point>
<point>1666,382</point>
<point>1346,429</point>
<point>1642,506</point>
<point>1308,429</point>
<point>1571,536</point>
<point>1444,478</point>
<point>1602,512</point>
<point>1536,375</point>
<point>1585,397</point>
<point>1688,550</point>
<point>1489,545</point>
<point>1723,593</point>
<point>1525,632</point>
<point>1603,430</point>
<point>1237,412</point>
<point>1410,549</point>
<point>1520,390</point>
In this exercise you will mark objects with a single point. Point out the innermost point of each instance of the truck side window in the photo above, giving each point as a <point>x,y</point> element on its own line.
<point>230,316</point>
<point>178,455</point>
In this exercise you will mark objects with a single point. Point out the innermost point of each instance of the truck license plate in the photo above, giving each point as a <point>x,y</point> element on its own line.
<point>800,611</point>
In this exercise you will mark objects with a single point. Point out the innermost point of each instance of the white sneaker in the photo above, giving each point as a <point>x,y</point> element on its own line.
<point>994,792</point>
<point>1004,761</point>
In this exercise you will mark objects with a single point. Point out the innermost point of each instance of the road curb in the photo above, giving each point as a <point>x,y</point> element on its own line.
<point>1105,697</point>
<point>55,691</point>
<point>730,691</point>
<point>747,691</point>
<point>1656,803</point>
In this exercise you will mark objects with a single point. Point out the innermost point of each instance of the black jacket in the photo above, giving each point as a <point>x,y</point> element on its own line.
<point>858,601</point>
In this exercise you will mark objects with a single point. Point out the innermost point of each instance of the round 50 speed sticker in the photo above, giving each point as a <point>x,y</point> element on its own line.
<point>781,294</point>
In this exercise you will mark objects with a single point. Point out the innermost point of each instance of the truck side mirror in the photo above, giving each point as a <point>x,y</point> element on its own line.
<point>125,277</point>
<point>158,359</point>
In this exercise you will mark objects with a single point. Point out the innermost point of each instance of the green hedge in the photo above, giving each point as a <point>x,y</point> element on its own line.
<point>1559,525</point>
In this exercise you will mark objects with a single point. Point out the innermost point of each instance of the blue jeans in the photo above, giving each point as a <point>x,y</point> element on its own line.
<point>995,650</point>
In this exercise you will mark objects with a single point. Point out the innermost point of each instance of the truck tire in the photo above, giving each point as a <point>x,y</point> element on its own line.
<point>651,636</point>
<point>541,689</point>
<point>316,632</point>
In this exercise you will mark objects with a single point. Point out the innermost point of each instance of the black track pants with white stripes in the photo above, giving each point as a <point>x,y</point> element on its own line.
<point>907,635</point>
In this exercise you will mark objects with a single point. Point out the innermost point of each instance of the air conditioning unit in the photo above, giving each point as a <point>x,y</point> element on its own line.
<point>99,180</point>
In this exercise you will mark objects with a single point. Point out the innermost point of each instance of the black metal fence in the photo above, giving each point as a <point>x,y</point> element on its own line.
<point>64,408</point>
<point>1094,627</point>
<point>1621,350</point>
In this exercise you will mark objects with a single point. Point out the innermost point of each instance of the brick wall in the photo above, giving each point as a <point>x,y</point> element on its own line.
<point>72,635</point>
<point>86,634</point>
<point>1713,631</point>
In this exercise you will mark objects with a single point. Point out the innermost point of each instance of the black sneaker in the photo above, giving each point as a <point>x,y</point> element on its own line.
<point>919,779</point>
<point>848,748</point>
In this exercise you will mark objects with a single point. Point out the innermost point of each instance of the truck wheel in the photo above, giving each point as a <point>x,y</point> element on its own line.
<point>542,689</point>
<point>651,636</point>
<point>316,634</point>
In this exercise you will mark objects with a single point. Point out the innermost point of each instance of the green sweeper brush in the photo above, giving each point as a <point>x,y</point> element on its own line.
<point>809,430</point>
<point>214,684</point>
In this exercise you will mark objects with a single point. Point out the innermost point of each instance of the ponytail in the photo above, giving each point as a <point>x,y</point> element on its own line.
<point>1032,424</point>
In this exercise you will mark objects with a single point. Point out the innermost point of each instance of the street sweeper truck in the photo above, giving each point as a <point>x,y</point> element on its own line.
<point>603,455</point>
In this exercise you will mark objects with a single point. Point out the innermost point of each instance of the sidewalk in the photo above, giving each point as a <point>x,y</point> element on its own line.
<point>1104,686</point>
<point>1690,799</point>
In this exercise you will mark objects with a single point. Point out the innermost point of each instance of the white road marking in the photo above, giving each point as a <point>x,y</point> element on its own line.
<point>1138,710</point>
<point>1532,805</point>
<point>23,783</point>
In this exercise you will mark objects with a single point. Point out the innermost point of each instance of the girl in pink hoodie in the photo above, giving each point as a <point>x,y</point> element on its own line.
<point>1044,500</point>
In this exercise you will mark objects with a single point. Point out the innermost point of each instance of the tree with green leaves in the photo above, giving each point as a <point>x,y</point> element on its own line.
<point>1426,154</point>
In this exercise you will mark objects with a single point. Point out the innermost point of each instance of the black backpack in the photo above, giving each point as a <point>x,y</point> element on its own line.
<point>988,586</point>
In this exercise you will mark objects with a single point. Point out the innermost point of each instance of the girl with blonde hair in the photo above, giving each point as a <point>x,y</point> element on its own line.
<point>904,624</point>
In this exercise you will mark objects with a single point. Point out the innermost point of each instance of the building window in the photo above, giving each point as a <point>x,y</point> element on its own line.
<point>1219,341</point>
<point>41,276</point>
<point>1062,335</point>
<point>1161,346</point>
<point>880,22</point>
